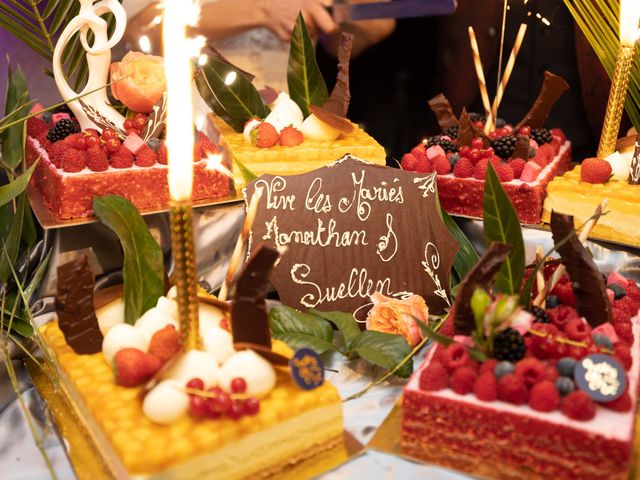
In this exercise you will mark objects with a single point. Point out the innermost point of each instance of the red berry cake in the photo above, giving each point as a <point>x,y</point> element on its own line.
<point>76,166</point>
<point>523,412</point>
<point>461,171</point>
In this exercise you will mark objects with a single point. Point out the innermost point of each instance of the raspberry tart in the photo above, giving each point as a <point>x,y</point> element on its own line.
<point>546,392</point>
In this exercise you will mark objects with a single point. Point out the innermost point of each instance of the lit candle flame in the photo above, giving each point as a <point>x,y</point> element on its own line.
<point>629,17</point>
<point>214,162</point>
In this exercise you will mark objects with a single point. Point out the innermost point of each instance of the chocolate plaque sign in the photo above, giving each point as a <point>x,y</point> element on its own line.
<point>352,229</point>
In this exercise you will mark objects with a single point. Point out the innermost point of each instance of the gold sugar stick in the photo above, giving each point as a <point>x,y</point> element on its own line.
<point>479,72</point>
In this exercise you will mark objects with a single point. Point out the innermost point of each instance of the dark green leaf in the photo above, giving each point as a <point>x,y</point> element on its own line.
<point>305,81</point>
<point>384,349</point>
<point>29,229</point>
<point>283,319</point>
<point>143,264</point>
<point>345,323</point>
<point>12,137</point>
<point>431,334</point>
<point>13,189</point>
<point>467,256</point>
<point>36,278</point>
<point>21,327</point>
<point>32,41</point>
<point>11,244</point>
<point>501,224</point>
<point>66,10</point>
<point>18,6</point>
<point>229,93</point>
<point>51,6</point>
<point>296,340</point>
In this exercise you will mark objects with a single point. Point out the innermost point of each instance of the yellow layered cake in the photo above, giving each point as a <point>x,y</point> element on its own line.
<point>309,155</point>
<point>568,194</point>
<point>293,428</point>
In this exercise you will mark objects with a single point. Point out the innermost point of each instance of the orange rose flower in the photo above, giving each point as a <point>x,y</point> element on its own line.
<point>392,315</point>
<point>143,82</point>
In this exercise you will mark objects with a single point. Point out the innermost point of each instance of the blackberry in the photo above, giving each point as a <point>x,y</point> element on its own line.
<point>618,291</point>
<point>62,129</point>
<point>539,314</point>
<point>447,145</point>
<point>452,132</point>
<point>504,146</point>
<point>541,135</point>
<point>509,345</point>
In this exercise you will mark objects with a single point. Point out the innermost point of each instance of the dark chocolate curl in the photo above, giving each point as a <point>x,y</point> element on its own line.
<point>522,147</point>
<point>634,171</point>
<point>157,120</point>
<point>339,123</point>
<point>553,88</point>
<point>481,275</point>
<point>467,131</point>
<point>249,320</point>
<point>441,107</point>
<point>589,288</point>
<point>74,306</point>
<point>268,94</point>
<point>338,102</point>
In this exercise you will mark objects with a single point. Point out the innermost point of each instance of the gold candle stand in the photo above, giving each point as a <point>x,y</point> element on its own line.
<point>184,275</point>
<point>615,105</point>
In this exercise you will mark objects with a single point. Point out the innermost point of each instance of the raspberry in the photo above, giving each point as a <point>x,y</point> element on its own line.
<point>455,356</point>
<point>123,158</point>
<point>424,165</point>
<point>97,159</point>
<point>633,291</point>
<point>442,165</point>
<point>56,152</point>
<point>146,157</point>
<point>544,397</point>
<point>480,169</point>
<point>595,170</point>
<point>511,388</point>
<point>624,331</point>
<point>409,162</point>
<point>463,380</point>
<point>564,291</point>
<point>206,145</point>
<point>485,387</point>
<point>517,165</point>
<point>162,154</point>
<point>623,355</point>
<point>627,304</point>
<point>434,377</point>
<point>74,160</point>
<point>618,315</point>
<point>620,404</point>
<point>36,127</point>
<point>505,172</point>
<point>531,370</point>
<point>463,168</point>
<point>418,151</point>
<point>578,406</point>
<point>488,366</point>
<point>561,315</point>
<point>578,330</point>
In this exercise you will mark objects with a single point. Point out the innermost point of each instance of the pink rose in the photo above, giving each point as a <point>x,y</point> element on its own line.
<point>143,82</point>
<point>392,315</point>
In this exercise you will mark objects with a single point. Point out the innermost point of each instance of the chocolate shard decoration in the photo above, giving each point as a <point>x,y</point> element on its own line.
<point>553,88</point>
<point>266,353</point>
<point>338,102</point>
<point>634,171</point>
<point>627,142</point>
<point>592,301</point>
<point>74,306</point>
<point>441,107</point>
<point>522,148</point>
<point>268,94</point>
<point>100,120</point>
<point>339,123</point>
<point>157,119</point>
<point>481,275</point>
<point>468,131</point>
<point>249,320</point>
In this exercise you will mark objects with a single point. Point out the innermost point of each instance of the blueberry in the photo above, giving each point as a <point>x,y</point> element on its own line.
<point>618,291</point>
<point>154,144</point>
<point>500,122</point>
<point>453,159</point>
<point>603,341</point>
<point>553,301</point>
<point>564,385</point>
<point>47,117</point>
<point>503,368</point>
<point>566,365</point>
<point>532,152</point>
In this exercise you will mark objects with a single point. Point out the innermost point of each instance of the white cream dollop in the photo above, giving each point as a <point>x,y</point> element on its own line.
<point>166,402</point>
<point>285,112</point>
<point>210,316</point>
<point>256,371</point>
<point>620,164</point>
<point>248,128</point>
<point>315,129</point>
<point>194,364</point>
<point>110,315</point>
<point>122,336</point>
<point>219,343</point>
<point>156,319</point>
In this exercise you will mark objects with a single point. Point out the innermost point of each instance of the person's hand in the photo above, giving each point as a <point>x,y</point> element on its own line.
<point>280,16</point>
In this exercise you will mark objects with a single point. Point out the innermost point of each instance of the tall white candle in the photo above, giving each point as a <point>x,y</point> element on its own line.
<point>629,17</point>
<point>179,73</point>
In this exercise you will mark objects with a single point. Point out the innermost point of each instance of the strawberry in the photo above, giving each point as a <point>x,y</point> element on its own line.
<point>463,168</point>
<point>132,367</point>
<point>264,135</point>
<point>409,162</point>
<point>595,170</point>
<point>290,136</point>
<point>165,343</point>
